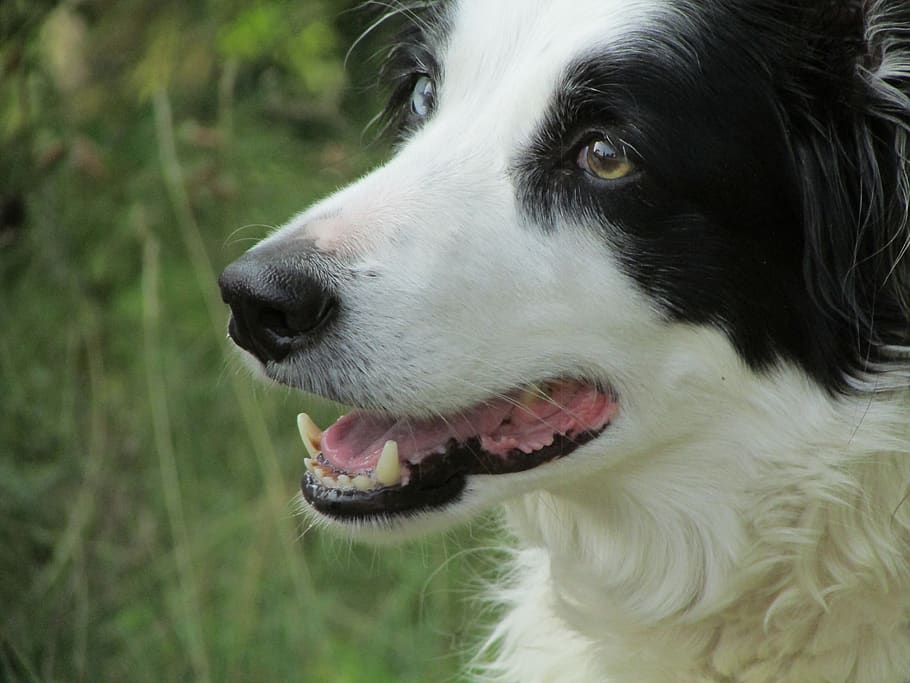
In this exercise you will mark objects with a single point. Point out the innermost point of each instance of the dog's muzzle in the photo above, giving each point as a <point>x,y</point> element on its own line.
<point>280,300</point>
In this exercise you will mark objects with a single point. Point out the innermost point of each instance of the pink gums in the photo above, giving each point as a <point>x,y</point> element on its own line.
<point>355,442</point>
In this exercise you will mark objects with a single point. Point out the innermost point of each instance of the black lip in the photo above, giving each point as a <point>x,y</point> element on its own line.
<point>436,481</point>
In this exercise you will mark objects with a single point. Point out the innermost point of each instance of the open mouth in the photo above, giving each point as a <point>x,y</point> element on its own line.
<point>369,464</point>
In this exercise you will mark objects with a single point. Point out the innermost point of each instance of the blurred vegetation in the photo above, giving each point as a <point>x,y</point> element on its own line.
<point>146,530</point>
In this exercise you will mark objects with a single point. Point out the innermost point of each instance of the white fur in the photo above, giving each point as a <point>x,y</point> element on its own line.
<point>771,547</point>
<point>730,525</point>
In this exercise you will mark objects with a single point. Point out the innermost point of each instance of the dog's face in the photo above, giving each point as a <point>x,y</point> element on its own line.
<point>590,243</point>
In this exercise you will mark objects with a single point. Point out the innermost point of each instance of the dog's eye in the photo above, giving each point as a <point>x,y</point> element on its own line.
<point>423,99</point>
<point>603,160</point>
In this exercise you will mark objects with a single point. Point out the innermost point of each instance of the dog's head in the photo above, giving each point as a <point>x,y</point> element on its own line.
<point>609,225</point>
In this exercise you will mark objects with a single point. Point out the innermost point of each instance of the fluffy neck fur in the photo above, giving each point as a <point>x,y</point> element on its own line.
<point>782,557</point>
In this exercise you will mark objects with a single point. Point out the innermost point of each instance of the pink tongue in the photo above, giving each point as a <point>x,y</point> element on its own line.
<point>355,442</point>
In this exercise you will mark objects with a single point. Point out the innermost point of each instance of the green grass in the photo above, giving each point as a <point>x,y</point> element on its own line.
<point>146,481</point>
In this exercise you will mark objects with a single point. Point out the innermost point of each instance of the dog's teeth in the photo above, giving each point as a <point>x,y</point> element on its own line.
<point>388,469</point>
<point>344,481</point>
<point>363,483</point>
<point>321,472</point>
<point>534,393</point>
<point>529,395</point>
<point>330,482</point>
<point>310,434</point>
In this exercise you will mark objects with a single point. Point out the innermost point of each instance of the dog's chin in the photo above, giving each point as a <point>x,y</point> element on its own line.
<point>402,475</point>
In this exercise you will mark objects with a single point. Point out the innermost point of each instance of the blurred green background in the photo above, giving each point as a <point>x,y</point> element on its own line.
<point>147,530</point>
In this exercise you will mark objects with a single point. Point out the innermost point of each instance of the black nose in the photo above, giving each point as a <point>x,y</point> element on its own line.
<point>277,302</point>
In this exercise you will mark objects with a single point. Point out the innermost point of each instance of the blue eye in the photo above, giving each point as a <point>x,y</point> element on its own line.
<point>423,99</point>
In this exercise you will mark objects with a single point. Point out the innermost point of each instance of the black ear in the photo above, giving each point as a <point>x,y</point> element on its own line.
<point>836,32</point>
<point>850,136</point>
<point>844,19</point>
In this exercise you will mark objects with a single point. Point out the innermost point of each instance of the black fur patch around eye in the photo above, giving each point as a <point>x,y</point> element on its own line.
<point>413,54</point>
<point>716,227</point>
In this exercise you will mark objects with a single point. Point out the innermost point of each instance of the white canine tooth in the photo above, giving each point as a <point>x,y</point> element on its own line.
<point>388,469</point>
<point>310,434</point>
<point>344,481</point>
<point>362,483</point>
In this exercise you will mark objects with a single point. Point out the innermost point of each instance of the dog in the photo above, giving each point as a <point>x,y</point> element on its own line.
<point>637,271</point>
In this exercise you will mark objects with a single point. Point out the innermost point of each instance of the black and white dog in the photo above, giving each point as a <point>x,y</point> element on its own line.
<point>638,271</point>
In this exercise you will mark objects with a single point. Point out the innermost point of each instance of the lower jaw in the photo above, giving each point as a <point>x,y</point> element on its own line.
<point>351,506</point>
<point>435,483</point>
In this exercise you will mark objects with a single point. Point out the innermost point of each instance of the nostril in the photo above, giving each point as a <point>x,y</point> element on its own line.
<point>278,305</point>
<point>297,322</point>
<point>312,316</point>
<point>276,322</point>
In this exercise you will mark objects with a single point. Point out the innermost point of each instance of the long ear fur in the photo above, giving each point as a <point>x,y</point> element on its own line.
<point>851,135</point>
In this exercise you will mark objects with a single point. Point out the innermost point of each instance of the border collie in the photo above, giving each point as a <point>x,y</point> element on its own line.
<point>638,271</point>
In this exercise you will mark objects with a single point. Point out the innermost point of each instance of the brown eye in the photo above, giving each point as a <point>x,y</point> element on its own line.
<point>603,160</point>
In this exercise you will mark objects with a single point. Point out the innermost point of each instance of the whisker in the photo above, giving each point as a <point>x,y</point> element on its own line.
<point>232,237</point>
<point>395,9</point>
